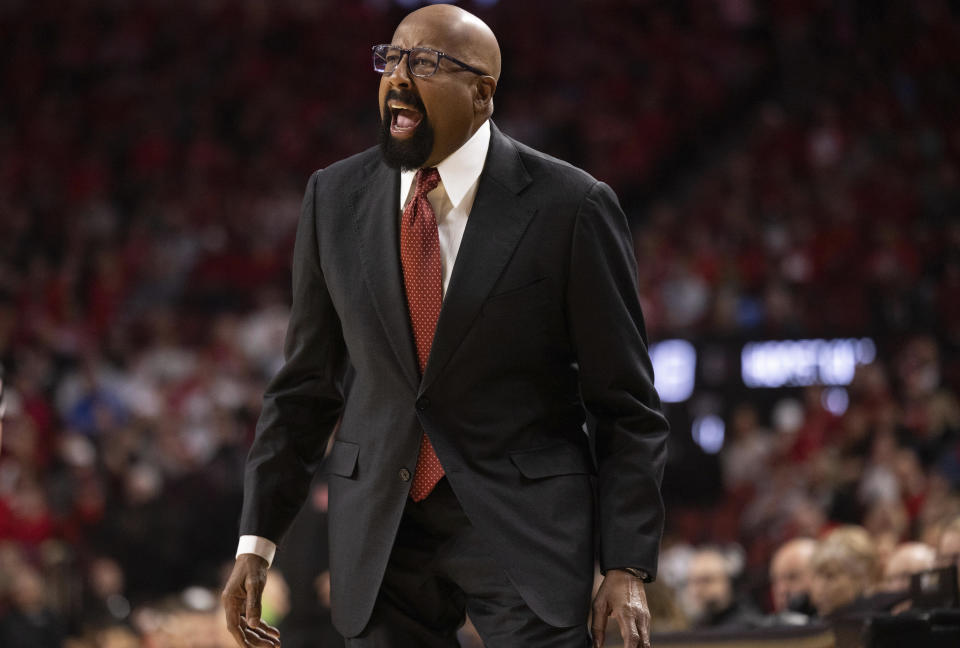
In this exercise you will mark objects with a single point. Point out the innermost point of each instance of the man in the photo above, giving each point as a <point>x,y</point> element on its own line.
<point>844,571</point>
<point>710,593</point>
<point>790,575</point>
<point>948,544</point>
<point>906,560</point>
<point>461,480</point>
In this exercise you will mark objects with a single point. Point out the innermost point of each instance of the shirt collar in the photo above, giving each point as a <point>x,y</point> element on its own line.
<point>459,170</point>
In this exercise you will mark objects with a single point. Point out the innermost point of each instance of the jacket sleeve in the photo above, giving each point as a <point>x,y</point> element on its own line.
<point>303,402</point>
<point>616,383</point>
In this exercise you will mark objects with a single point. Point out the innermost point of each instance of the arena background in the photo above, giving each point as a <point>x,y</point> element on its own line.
<point>789,169</point>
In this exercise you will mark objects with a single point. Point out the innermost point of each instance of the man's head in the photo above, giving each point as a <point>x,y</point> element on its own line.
<point>790,572</point>
<point>948,545</point>
<point>906,560</point>
<point>844,569</point>
<point>426,118</point>
<point>709,583</point>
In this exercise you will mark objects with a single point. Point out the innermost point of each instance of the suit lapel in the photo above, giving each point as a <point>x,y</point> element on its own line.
<point>494,227</point>
<point>376,209</point>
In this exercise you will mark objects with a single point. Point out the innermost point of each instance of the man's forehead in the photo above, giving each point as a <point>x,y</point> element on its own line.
<point>421,34</point>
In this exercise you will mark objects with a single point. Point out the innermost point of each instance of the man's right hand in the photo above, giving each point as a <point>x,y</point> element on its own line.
<point>241,604</point>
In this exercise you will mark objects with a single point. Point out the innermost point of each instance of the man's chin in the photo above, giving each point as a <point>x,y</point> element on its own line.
<point>406,153</point>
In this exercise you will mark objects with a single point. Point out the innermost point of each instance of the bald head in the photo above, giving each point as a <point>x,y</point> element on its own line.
<point>426,117</point>
<point>459,33</point>
<point>906,560</point>
<point>790,571</point>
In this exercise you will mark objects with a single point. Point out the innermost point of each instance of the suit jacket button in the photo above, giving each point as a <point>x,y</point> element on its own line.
<point>422,403</point>
<point>404,474</point>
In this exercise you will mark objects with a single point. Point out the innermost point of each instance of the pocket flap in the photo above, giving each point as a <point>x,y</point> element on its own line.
<point>560,459</point>
<point>342,459</point>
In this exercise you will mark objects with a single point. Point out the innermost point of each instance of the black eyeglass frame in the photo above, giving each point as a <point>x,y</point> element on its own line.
<point>406,52</point>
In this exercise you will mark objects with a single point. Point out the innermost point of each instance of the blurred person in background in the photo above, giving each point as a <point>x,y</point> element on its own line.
<point>3,404</point>
<point>666,613</point>
<point>472,438</point>
<point>29,622</point>
<point>104,597</point>
<point>710,592</point>
<point>948,546</point>
<point>906,560</point>
<point>844,568</point>
<point>790,576</point>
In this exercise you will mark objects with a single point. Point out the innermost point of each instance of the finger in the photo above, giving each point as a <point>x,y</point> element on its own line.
<point>252,612</point>
<point>237,633</point>
<point>269,629</point>
<point>231,609</point>
<point>598,630</point>
<point>598,637</point>
<point>263,635</point>
<point>599,625</point>
<point>255,640</point>
<point>643,623</point>
<point>628,630</point>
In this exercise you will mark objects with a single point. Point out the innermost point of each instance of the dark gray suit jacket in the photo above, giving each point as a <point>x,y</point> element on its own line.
<point>541,322</point>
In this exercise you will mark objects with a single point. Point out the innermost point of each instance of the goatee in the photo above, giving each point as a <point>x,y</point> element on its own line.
<point>411,153</point>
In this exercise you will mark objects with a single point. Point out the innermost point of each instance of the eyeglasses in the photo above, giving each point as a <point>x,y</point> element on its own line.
<point>421,61</point>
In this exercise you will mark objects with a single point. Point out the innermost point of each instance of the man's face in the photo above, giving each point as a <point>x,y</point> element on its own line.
<point>948,551</point>
<point>906,561</point>
<point>833,586</point>
<point>708,584</point>
<point>789,577</point>
<point>423,120</point>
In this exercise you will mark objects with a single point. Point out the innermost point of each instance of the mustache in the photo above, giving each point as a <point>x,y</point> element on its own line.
<point>403,96</point>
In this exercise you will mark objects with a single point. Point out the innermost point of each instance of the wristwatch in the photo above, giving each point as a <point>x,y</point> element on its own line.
<point>639,573</point>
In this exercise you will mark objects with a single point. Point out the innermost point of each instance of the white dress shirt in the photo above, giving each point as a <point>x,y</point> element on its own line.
<point>452,201</point>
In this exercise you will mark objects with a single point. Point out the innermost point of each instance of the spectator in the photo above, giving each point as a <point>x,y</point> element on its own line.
<point>791,575</point>
<point>844,570</point>
<point>948,548</point>
<point>907,559</point>
<point>711,595</point>
<point>30,622</point>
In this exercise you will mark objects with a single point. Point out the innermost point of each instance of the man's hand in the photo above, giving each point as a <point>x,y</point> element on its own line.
<point>241,604</point>
<point>622,595</point>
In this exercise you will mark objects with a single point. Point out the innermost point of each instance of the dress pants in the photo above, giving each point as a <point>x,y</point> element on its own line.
<point>441,568</point>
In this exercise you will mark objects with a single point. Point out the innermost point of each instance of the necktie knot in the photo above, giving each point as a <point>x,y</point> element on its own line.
<point>427,181</point>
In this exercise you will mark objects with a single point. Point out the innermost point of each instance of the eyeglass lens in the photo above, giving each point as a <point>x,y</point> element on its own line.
<point>423,62</point>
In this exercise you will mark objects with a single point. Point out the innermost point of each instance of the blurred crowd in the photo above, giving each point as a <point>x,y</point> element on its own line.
<point>835,208</point>
<point>152,159</point>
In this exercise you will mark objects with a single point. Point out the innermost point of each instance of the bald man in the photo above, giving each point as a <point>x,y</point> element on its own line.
<point>906,560</point>
<point>790,574</point>
<point>460,302</point>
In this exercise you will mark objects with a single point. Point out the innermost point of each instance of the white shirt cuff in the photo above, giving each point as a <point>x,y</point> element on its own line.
<point>250,544</point>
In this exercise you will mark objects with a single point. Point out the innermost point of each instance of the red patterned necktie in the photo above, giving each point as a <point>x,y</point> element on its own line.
<point>423,280</point>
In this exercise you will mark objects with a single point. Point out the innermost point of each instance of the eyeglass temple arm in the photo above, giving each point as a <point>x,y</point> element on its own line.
<point>465,66</point>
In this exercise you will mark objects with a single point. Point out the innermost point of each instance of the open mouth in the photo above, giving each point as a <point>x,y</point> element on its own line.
<point>404,119</point>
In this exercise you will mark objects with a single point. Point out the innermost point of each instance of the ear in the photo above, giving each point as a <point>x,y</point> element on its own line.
<point>484,90</point>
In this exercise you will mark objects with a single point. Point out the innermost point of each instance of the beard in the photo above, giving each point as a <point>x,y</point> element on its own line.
<point>411,153</point>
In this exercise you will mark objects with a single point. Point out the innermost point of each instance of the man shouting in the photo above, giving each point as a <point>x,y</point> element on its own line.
<point>460,303</point>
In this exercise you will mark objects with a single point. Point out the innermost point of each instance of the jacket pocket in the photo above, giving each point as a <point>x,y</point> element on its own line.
<point>560,459</point>
<point>342,459</point>
<point>513,300</point>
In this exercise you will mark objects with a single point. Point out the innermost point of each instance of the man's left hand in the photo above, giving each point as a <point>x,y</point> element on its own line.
<point>622,595</point>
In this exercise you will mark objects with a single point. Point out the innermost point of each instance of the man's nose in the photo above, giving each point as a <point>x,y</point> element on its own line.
<point>400,76</point>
